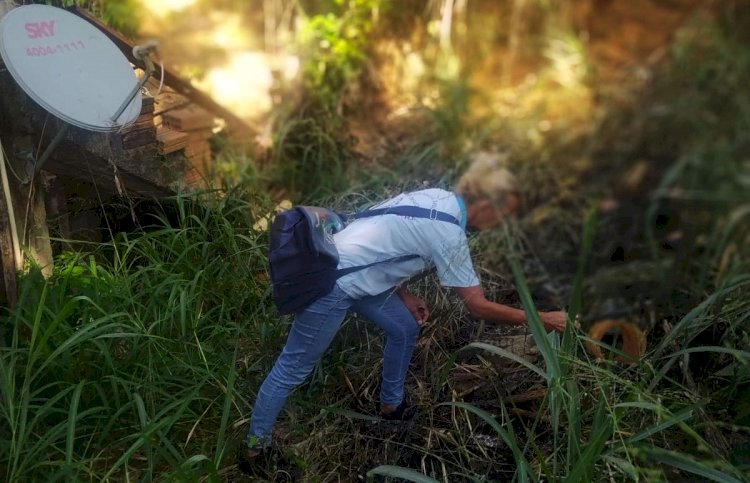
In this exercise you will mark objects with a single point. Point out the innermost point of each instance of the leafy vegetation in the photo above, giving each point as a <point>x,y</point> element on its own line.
<point>123,15</point>
<point>140,359</point>
<point>128,367</point>
<point>335,46</point>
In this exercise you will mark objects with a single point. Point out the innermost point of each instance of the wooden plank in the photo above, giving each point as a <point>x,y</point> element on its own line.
<point>57,208</point>
<point>146,122</point>
<point>35,229</point>
<point>188,119</point>
<point>199,135</point>
<point>170,140</point>
<point>199,154</point>
<point>171,78</point>
<point>194,178</point>
<point>7,247</point>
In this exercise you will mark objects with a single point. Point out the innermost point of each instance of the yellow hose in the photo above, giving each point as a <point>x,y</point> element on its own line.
<point>633,339</point>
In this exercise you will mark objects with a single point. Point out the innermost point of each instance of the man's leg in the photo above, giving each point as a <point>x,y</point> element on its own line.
<point>310,335</point>
<point>402,331</point>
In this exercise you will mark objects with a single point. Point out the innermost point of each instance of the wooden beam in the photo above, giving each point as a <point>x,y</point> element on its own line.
<point>171,78</point>
<point>34,229</point>
<point>8,242</point>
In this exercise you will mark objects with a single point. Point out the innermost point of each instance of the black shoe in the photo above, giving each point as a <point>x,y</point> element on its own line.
<point>267,464</point>
<point>403,412</point>
<point>248,458</point>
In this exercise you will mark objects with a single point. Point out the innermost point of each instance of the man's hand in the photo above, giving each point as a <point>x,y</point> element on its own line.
<point>416,306</point>
<point>554,320</point>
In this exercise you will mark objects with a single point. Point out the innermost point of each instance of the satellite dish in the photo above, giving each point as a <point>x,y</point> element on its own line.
<point>69,67</point>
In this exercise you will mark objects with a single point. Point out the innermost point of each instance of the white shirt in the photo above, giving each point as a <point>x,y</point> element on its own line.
<point>438,243</point>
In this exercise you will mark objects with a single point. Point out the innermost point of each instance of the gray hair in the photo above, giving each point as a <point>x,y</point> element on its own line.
<point>485,179</point>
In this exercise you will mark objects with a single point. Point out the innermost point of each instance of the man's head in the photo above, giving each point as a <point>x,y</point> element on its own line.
<point>491,193</point>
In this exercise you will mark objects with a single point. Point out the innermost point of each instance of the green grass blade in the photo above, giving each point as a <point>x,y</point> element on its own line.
<point>624,465</point>
<point>227,409</point>
<point>507,354</point>
<point>535,323</point>
<point>524,469</point>
<point>72,417</point>
<point>587,240</point>
<point>575,420</point>
<point>740,355</point>
<point>687,327</point>
<point>688,464</point>
<point>672,419</point>
<point>171,413</point>
<point>347,413</point>
<point>602,430</point>
<point>144,422</point>
<point>400,472</point>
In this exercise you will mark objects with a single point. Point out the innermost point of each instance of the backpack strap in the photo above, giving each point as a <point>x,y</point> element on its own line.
<point>346,271</point>
<point>412,211</point>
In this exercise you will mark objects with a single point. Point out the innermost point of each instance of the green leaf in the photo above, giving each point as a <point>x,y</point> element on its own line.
<point>505,353</point>
<point>589,230</point>
<point>72,417</point>
<point>401,472</point>
<point>524,469</point>
<point>535,323</point>
<point>686,463</point>
<point>671,420</point>
<point>349,414</point>
<point>602,430</point>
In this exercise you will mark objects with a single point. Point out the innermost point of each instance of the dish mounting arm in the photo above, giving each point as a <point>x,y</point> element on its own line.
<point>140,52</point>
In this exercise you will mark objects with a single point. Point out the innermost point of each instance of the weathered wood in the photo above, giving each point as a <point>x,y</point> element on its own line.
<point>144,121</point>
<point>198,152</point>
<point>170,140</point>
<point>35,233</point>
<point>26,205</point>
<point>7,247</point>
<point>188,119</point>
<point>57,208</point>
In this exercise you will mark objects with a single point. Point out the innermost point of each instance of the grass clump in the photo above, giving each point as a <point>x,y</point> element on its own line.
<point>123,364</point>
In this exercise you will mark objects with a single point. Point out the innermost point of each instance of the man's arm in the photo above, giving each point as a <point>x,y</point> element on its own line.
<point>478,305</point>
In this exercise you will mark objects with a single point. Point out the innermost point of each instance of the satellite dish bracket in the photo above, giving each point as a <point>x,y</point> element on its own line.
<point>140,52</point>
<point>39,162</point>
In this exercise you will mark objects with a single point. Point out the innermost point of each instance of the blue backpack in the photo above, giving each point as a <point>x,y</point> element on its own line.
<point>303,257</point>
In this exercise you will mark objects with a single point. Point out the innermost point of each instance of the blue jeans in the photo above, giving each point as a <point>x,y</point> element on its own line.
<point>311,334</point>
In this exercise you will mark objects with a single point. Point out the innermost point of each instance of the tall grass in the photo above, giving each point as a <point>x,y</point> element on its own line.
<point>309,161</point>
<point>123,364</point>
<point>603,421</point>
<point>680,413</point>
